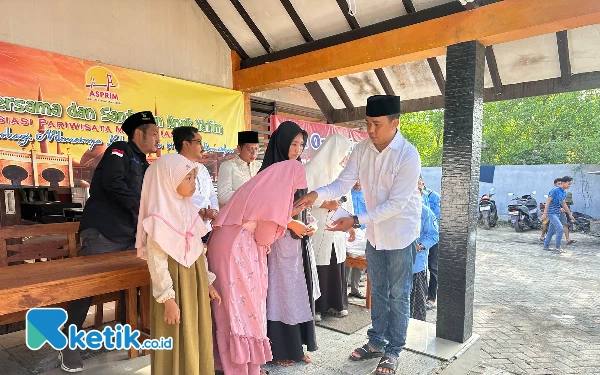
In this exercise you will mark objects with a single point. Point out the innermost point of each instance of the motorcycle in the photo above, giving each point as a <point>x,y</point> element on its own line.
<point>488,212</point>
<point>524,213</point>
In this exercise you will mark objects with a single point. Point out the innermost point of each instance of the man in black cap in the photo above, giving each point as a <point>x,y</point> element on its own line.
<point>388,167</point>
<point>237,171</point>
<point>109,219</point>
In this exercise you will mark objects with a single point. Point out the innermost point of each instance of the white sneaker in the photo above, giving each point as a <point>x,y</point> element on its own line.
<point>339,314</point>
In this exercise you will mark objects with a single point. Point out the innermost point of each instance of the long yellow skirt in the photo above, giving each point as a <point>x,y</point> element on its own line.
<point>192,352</point>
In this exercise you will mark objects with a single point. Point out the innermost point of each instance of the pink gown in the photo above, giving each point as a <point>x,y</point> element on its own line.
<point>237,256</point>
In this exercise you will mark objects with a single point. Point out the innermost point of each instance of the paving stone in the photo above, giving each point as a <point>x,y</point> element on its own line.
<point>543,301</point>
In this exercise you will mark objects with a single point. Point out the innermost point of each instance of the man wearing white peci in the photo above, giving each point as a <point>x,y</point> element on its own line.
<point>388,167</point>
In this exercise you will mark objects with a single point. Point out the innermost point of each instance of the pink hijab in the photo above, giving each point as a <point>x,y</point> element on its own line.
<point>168,218</point>
<point>268,196</point>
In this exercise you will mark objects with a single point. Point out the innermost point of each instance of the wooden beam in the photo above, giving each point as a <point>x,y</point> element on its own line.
<point>220,26</point>
<point>313,87</point>
<point>353,23</point>
<point>321,99</point>
<point>434,65</point>
<point>579,82</point>
<point>409,6</point>
<point>337,85</point>
<point>406,106</point>
<point>496,23</point>
<point>289,8</point>
<point>362,32</point>
<point>490,57</point>
<point>562,41</point>
<point>432,61</point>
<point>247,112</point>
<point>385,82</point>
<point>257,33</point>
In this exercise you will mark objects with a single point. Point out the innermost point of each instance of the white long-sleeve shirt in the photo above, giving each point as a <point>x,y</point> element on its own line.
<point>389,183</point>
<point>158,265</point>
<point>205,194</point>
<point>233,174</point>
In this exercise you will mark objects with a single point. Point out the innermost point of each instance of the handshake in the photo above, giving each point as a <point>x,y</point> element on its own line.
<point>340,225</point>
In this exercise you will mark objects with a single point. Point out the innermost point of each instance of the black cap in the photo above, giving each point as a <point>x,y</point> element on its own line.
<point>136,120</point>
<point>383,105</point>
<point>247,137</point>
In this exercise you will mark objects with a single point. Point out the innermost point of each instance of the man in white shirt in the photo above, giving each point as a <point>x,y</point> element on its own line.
<point>388,167</point>
<point>188,143</point>
<point>237,171</point>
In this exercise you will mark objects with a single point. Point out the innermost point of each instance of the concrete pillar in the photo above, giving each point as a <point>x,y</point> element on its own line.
<point>465,64</point>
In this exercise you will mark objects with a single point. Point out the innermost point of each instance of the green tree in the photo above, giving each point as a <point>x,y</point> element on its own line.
<point>552,129</point>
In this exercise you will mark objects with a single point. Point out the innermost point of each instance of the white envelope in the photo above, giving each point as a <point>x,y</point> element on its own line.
<point>338,214</point>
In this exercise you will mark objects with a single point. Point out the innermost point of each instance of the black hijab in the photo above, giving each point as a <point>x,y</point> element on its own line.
<point>278,150</point>
<point>280,142</point>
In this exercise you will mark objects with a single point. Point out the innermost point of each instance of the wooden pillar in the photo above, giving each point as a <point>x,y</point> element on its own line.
<point>247,111</point>
<point>461,157</point>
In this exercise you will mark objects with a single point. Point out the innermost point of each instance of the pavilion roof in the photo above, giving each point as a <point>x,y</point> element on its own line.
<point>263,30</point>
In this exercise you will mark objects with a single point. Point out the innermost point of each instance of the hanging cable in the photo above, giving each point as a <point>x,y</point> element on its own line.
<point>352,7</point>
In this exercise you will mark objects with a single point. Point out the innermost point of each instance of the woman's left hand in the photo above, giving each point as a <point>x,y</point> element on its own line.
<point>213,294</point>
<point>310,231</point>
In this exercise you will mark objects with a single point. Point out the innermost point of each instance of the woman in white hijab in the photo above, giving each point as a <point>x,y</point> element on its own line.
<point>329,247</point>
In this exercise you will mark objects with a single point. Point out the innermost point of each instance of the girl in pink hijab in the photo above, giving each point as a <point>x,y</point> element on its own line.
<point>169,236</point>
<point>255,216</point>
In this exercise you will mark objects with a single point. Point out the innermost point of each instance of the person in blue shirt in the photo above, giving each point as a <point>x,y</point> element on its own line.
<point>556,200</point>
<point>429,237</point>
<point>432,200</point>
<point>358,201</point>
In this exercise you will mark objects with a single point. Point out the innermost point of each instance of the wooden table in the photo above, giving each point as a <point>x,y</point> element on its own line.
<point>26,286</point>
<point>361,262</point>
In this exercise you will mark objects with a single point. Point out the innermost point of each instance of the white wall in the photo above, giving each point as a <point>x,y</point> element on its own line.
<point>524,179</point>
<point>158,36</point>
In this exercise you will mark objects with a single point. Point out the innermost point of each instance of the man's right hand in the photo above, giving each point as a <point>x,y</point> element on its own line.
<point>331,205</point>
<point>306,201</point>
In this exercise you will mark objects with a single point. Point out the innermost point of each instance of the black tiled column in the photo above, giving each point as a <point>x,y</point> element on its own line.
<point>461,157</point>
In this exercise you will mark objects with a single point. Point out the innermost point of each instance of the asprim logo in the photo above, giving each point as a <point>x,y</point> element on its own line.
<point>101,83</point>
<point>43,325</point>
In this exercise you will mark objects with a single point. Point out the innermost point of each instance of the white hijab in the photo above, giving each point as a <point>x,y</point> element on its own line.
<point>322,170</point>
<point>170,219</point>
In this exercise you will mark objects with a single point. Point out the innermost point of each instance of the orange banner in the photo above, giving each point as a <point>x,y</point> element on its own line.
<point>58,114</point>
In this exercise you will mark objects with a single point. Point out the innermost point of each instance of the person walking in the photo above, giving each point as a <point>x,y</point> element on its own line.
<point>546,221</point>
<point>556,200</point>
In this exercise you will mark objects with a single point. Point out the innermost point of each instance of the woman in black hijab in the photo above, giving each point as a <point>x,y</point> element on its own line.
<point>292,273</point>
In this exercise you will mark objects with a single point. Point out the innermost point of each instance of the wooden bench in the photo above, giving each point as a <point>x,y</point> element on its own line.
<point>49,249</point>
<point>63,242</point>
<point>55,283</point>
<point>361,262</point>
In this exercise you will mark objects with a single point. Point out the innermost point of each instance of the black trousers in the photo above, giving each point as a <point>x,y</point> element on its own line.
<point>92,243</point>
<point>433,273</point>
